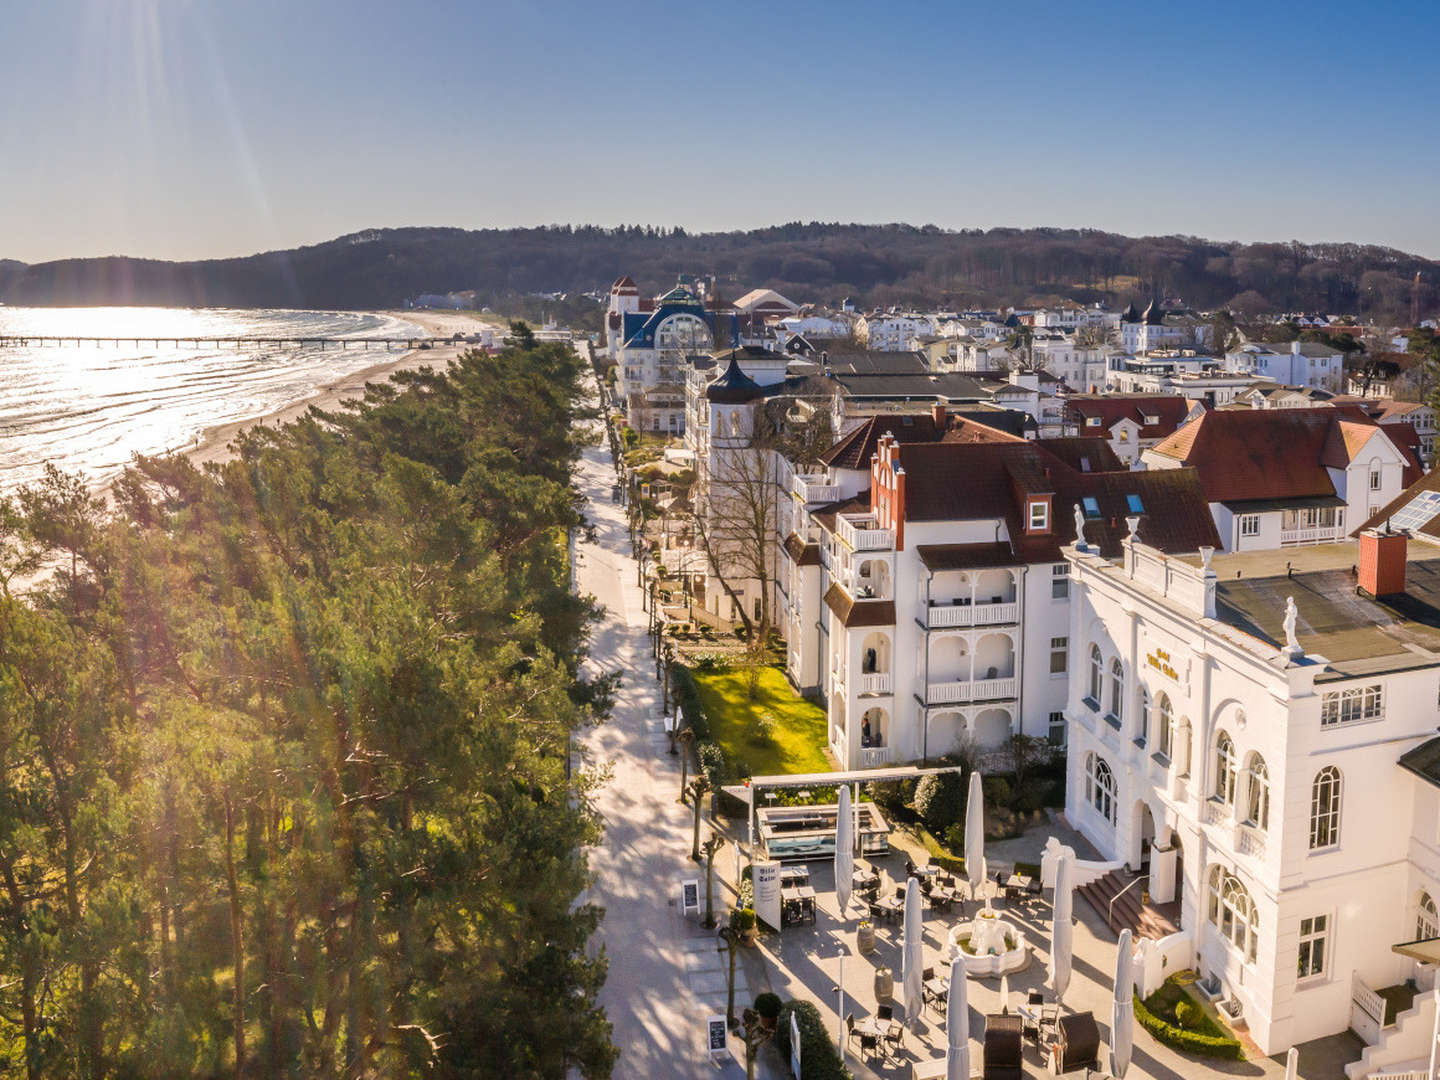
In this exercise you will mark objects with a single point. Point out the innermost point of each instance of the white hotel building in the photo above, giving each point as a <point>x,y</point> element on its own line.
<point>1287,796</point>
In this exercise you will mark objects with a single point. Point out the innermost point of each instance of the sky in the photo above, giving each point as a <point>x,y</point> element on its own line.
<point>184,129</point>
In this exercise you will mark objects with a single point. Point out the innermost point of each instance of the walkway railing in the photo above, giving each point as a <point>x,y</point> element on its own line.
<point>1110,910</point>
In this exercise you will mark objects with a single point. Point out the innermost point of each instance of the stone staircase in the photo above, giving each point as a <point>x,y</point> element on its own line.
<point>1128,912</point>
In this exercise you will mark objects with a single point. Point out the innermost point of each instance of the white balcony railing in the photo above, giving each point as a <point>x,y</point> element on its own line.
<point>814,489</point>
<point>943,693</point>
<point>1250,841</point>
<point>1327,534</point>
<point>879,682</point>
<point>874,757</point>
<point>1212,812</point>
<point>943,615</point>
<point>862,534</point>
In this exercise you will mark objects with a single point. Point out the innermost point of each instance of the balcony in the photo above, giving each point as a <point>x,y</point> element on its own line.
<point>862,533</point>
<point>1324,534</point>
<point>880,682</point>
<point>1213,812</point>
<point>874,757</point>
<point>940,616</point>
<point>946,693</point>
<point>814,489</point>
<point>1250,841</point>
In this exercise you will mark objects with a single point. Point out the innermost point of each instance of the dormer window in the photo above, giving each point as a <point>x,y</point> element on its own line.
<point>1039,516</point>
<point>1092,421</point>
<point>1151,421</point>
<point>1092,506</point>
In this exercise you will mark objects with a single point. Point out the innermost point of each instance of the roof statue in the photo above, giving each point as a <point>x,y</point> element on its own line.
<point>1080,529</point>
<point>1292,647</point>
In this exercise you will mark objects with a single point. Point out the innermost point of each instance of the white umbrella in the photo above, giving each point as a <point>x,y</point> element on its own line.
<point>957,1023</point>
<point>1292,1063</point>
<point>913,957</point>
<point>1004,994</point>
<point>975,836</point>
<point>1061,931</point>
<point>844,851</point>
<point>1122,1011</point>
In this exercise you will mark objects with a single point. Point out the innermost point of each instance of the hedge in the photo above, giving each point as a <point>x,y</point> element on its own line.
<point>819,1059</point>
<point>1194,1042</point>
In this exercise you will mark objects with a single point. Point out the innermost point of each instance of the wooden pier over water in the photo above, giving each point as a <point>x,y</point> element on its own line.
<point>26,341</point>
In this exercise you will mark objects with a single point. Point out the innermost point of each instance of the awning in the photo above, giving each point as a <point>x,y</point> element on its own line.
<point>1426,950</point>
<point>1261,506</point>
<point>744,792</point>
<point>965,556</point>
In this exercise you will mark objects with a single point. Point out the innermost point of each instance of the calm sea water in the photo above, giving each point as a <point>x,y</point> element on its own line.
<point>89,408</point>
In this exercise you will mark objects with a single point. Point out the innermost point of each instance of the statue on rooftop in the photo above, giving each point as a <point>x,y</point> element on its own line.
<point>1080,528</point>
<point>1291,614</point>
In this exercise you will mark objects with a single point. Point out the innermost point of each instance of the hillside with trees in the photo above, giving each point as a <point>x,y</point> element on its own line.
<point>284,781</point>
<point>874,264</point>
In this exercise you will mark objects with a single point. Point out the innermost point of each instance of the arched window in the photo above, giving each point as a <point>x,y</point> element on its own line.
<point>1142,733</point>
<point>1427,919</point>
<point>1117,690</point>
<point>1325,808</point>
<point>1224,769</point>
<point>1097,675</point>
<point>1233,913</point>
<point>1100,786</point>
<point>1257,793</point>
<point>1165,719</point>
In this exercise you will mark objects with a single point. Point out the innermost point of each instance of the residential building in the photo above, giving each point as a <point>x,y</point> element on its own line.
<point>1154,328</point>
<point>1305,364</point>
<point>1130,422</point>
<point>650,343</point>
<point>892,331</point>
<point>927,596</point>
<point>1286,477</point>
<point>1081,368</point>
<point>1257,735</point>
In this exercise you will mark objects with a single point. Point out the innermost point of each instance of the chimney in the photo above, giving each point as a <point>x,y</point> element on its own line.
<point>1382,562</point>
<point>937,414</point>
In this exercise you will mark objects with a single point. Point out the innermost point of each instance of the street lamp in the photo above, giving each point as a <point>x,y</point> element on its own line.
<point>669,657</point>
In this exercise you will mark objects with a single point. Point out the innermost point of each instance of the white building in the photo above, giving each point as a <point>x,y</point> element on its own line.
<point>1275,775</point>
<point>1153,329</point>
<point>1081,368</point>
<point>649,341</point>
<point>891,332</point>
<point>927,597</point>
<point>1132,423</point>
<point>1286,477</point>
<point>1306,364</point>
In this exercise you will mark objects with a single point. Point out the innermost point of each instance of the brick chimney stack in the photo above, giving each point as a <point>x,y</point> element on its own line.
<point>938,414</point>
<point>1382,562</point>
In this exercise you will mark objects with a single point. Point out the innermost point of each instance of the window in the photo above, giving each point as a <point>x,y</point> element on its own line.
<point>1224,789</point>
<point>1123,434</point>
<point>1375,478</point>
<point>1100,786</point>
<point>1117,692</point>
<point>1060,581</point>
<point>1314,939</point>
<point>1167,735</point>
<point>1142,736</point>
<point>1233,913</point>
<point>1134,504</point>
<point>1092,508</point>
<point>1092,421</point>
<point>1325,809</point>
<point>1057,729</point>
<point>1039,516</point>
<point>1353,704</point>
<point>1257,793</point>
<point>1059,648</point>
<point>1151,421</point>
<point>1427,919</point>
<point>1097,676</point>
<point>1249,524</point>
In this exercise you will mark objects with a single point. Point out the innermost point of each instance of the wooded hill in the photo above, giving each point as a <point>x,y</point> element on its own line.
<point>874,264</point>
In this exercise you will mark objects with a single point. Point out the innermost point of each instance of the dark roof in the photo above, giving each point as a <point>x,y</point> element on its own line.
<point>734,387</point>
<point>1084,454</point>
<point>1169,410</point>
<point>874,362</point>
<point>1424,761</point>
<point>1130,314</point>
<point>801,553</point>
<point>1154,316</point>
<point>855,449</point>
<point>965,556</point>
<point>859,612</point>
<point>951,386</point>
<point>857,504</point>
<point>1261,506</point>
<point>1248,454</point>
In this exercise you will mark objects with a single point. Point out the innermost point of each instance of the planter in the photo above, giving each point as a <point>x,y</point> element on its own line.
<point>865,939</point>
<point>884,985</point>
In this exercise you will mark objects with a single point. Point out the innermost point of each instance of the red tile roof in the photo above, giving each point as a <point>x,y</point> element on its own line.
<point>1170,411</point>
<point>855,450</point>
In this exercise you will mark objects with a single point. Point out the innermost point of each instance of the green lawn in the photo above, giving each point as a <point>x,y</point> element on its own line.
<point>797,743</point>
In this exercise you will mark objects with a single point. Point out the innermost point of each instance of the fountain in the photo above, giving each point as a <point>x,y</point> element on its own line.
<point>990,944</point>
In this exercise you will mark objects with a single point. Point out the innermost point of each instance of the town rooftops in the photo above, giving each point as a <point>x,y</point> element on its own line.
<point>734,387</point>
<point>854,450</point>
<point>1355,634</point>
<point>919,386</point>
<point>1424,762</point>
<point>1168,410</point>
<point>1415,510</point>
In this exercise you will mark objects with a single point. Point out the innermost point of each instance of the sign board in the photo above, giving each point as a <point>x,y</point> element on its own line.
<point>766,882</point>
<point>690,897</point>
<point>717,1036</point>
<point>1159,660</point>
<point>794,1047</point>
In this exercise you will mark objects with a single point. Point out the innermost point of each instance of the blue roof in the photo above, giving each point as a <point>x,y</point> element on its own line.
<point>639,329</point>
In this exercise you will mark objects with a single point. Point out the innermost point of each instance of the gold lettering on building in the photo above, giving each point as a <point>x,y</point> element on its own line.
<point>1160,661</point>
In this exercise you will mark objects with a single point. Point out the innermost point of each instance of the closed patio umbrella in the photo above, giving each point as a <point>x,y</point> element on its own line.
<point>1292,1064</point>
<point>975,835</point>
<point>1122,1011</point>
<point>844,851</point>
<point>913,957</point>
<point>1061,931</point>
<point>957,1024</point>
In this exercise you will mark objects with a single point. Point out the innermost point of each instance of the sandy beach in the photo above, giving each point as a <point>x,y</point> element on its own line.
<point>214,445</point>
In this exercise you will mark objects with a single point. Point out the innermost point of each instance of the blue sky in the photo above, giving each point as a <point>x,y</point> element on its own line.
<point>199,128</point>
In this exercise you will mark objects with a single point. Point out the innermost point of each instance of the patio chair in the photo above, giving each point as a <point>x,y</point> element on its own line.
<point>894,1030</point>
<point>849,1027</point>
<point>937,999</point>
<point>1003,1058</point>
<point>1032,1014</point>
<point>1076,1044</point>
<point>876,912</point>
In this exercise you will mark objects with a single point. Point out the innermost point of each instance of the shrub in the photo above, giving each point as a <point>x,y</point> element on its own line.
<point>819,1059</point>
<point>1194,1042</point>
<point>712,761</point>
<point>768,1005</point>
<point>763,733</point>
<point>630,437</point>
<point>742,919</point>
<point>940,801</point>
<point>1187,1015</point>
<point>955,837</point>
<point>997,791</point>
<point>886,795</point>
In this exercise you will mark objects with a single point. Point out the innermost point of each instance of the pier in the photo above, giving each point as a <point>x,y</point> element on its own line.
<point>26,341</point>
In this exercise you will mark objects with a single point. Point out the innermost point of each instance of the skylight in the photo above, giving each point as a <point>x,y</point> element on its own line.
<point>1092,507</point>
<point>1133,502</point>
<point>1418,512</point>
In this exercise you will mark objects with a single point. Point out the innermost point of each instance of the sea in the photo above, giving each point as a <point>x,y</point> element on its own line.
<point>90,408</point>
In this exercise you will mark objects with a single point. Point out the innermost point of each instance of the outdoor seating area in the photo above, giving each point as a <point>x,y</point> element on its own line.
<point>808,832</point>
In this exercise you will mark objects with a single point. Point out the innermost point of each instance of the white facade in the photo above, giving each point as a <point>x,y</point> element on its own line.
<point>891,333</point>
<point>1260,787</point>
<point>1078,367</point>
<point>1305,364</point>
